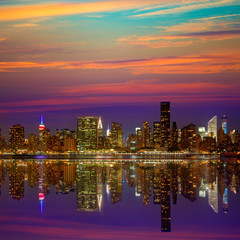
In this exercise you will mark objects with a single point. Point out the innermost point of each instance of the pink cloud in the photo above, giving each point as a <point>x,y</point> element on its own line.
<point>200,64</point>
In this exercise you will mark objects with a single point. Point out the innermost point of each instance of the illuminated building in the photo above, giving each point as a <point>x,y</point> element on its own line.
<point>16,137</point>
<point>156,134</point>
<point>33,143</point>
<point>69,144</point>
<point>136,130</point>
<point>132,141</point>
<point>139,137</point>
<point>212,127</point>
<point>87,133</point>
<point>41,128</point>
<point>146,135</point>
<point>208,144</point>
<point>174,136</point>
<point>86,188</point>
<point>188,137</point>
<point>165,124</point>
<point>116,135</point>
<point>100,134</point>
<point>224,123</point>
<point>100,127</point>
<point>202,132</point>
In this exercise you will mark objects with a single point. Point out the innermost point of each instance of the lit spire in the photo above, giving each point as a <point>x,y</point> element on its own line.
<point>41,121</point>
<point>41,125</point>
<point>100,123</point>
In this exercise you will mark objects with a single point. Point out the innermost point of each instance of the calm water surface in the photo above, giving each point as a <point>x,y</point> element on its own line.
<point>49,199</point>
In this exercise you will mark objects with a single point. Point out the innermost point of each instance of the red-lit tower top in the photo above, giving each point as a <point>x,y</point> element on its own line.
<point>41,125</point>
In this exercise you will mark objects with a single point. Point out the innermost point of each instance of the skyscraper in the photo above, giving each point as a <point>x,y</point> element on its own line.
<point>146,134</point>
<point>165,124</point>
<point>156,134</point>
<point>224,123</point>
<point>212,127</point>
<point>87,133</point>
<point>117,135</point>
<point>16,137</point>
<point>188,137</point>
<point>174,136</point>
<point>100,127</point>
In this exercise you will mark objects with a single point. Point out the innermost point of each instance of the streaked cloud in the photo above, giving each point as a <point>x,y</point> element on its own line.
<point>216,17</point>
<point>215,63</point>
<point>24,25</point>
<point>60,9</point>
<point>190,7</point>
<point>2,39</point>
<point>204,25</point>
<point>158,41</point>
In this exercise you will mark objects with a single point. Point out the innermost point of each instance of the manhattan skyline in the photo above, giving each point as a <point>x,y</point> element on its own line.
<point>118,60</point>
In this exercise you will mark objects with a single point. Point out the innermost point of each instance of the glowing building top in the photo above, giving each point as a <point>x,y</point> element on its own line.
<point>100,123</point>
<point>224,123</point>
<point>212,126</point>
<point>41,125</point>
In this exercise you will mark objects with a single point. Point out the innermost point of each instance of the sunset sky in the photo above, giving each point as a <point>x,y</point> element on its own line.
<point>118,59</point>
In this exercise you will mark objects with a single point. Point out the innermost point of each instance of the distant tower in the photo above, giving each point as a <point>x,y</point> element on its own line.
<point>224,123</point>
<point>100,127</point>
<point>41,128</point>
<point>212,127</point>
<point>165,124</point>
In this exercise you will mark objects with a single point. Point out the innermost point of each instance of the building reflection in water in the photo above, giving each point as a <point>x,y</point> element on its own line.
<point>91,181</point>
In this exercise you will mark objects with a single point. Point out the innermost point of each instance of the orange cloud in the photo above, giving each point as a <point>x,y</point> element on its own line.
<point>158,41</point>
<point>23,25</point>
<point>200,64</point>
<point>46,10</point>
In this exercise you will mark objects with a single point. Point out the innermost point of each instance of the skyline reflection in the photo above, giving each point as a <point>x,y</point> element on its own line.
<point>160,183</point>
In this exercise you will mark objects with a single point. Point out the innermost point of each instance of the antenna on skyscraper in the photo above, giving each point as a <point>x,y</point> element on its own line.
<point>41,120</point>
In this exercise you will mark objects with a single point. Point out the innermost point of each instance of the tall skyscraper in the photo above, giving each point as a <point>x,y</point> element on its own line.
<point>156,134</point>
<point>212,127</point>
<point>174,136</point>
<point>16,137</point>
<point>117,135</point>
<point>224,123</point>
<point>100,127</point>
<point>87,133</point>
<point>165,124</point>
<point>41,128</point>
<point>146,134</point>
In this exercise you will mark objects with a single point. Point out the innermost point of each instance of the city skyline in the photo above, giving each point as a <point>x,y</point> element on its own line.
<point>118,60</point>
<point>105,124</point>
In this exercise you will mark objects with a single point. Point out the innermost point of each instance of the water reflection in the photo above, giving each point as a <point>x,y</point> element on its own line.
<point>165,181</point>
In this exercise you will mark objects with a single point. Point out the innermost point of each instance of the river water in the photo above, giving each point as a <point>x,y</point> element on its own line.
<point>113,199</point>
